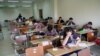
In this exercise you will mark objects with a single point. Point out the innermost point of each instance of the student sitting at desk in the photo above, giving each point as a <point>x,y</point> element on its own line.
<point>38,26</point>
<point>88,27</point>
<point>60,21</point>
<point>51,31</point>
<point>50,21</point>
<point>70,22</point>
<point>70,36</point>
<point>19,18</point>
<point>23,19</point>
<point>29,22</point>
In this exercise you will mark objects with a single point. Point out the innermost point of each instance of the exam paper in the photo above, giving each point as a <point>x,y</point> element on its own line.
<point>44,43</point>
<point>83,45</point>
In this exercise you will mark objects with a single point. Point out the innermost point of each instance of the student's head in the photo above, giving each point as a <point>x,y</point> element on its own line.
<point>90,24</point>
<point>34,20</point>
<point>23,24</point>
<point>74,30</point>
<point>24,18</point>
<point>49,27</point>
<point>38,21</point>
<point>19,16</point>
<point>50,18</point>
<point>30,19</point>
<point>71,19</point>
<point>68,31</point>
<point>60,18</point>
<point>44,23</point>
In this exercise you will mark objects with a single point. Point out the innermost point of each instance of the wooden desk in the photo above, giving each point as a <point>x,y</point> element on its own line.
<point>39,41</point>
<point>73,26</point>
<point>85,31</point>
<point>62,51</point>
<point>46,45</point>
<point>46,38</point>
<point>35,51</point>
<point>29,31</point>
<point>46,42</point>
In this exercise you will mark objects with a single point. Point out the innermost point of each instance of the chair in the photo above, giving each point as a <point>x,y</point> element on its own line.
<point>91,37</point>
<point>46,45</point>
<point>20,45</point>
<point>35,51</point>
<point>33,37</point>
<point>23,29</point>
<point>84,52</point>
<point>97,41</point>
<point>20,39</point>
<point>15,31</point>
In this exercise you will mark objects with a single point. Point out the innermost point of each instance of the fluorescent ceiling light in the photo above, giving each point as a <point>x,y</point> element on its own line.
<point>27,1</point>
<point>12,1</point>
<point>26,5</point>
<point>1,0</point>
<point>12,6</point>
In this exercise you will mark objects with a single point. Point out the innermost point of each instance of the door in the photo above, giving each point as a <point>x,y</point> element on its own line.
<point>41,13</point>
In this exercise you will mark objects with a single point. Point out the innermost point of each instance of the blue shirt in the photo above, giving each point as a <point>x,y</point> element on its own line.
<point>73,38</point>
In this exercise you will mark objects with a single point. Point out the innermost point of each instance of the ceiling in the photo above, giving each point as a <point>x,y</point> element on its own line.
<point>16,3</point>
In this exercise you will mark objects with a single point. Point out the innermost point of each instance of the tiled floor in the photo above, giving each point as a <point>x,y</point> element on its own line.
<point>5,45</point>
<point>7,50</point>
<point>95,50</point>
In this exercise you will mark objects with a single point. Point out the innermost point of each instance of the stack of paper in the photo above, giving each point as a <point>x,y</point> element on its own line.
<point>83,45</point>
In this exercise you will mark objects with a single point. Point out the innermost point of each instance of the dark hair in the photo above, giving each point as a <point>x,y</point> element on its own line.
<point>50,18</point>
<point>19,16</point>
<point>90,23</point>
<point>70,18</point>
<point>50,27</point>
<point>60,17</point>
<point>23,24</point>
<point>24,18</point>
<point>34,20</point>
<point>67,29</point>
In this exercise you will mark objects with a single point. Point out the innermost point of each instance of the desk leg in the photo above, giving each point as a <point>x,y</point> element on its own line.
<point>77,52</point>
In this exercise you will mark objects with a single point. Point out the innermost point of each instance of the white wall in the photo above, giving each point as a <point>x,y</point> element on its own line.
<point>45,5</point>
<point>81,10</point>
<point>12,13</point>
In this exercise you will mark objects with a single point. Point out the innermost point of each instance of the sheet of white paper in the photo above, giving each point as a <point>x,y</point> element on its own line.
<point>71,45</point>
<point>44,43</point>
<point>39,36</point>
<point>83,45</point>
<point>80,44</point>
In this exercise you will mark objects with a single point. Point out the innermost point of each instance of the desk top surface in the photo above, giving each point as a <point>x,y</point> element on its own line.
<point>62,51</point>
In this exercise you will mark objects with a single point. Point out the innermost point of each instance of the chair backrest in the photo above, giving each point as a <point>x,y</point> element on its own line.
<point>15,31</point>
<point>24,29</point>
<point>12,36</point>
<point>97,41</point>
<point>33,37</point>
<point>90,36</point>
<point>35,51</point>
<point>20,39</point>
<point>84,52</point>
